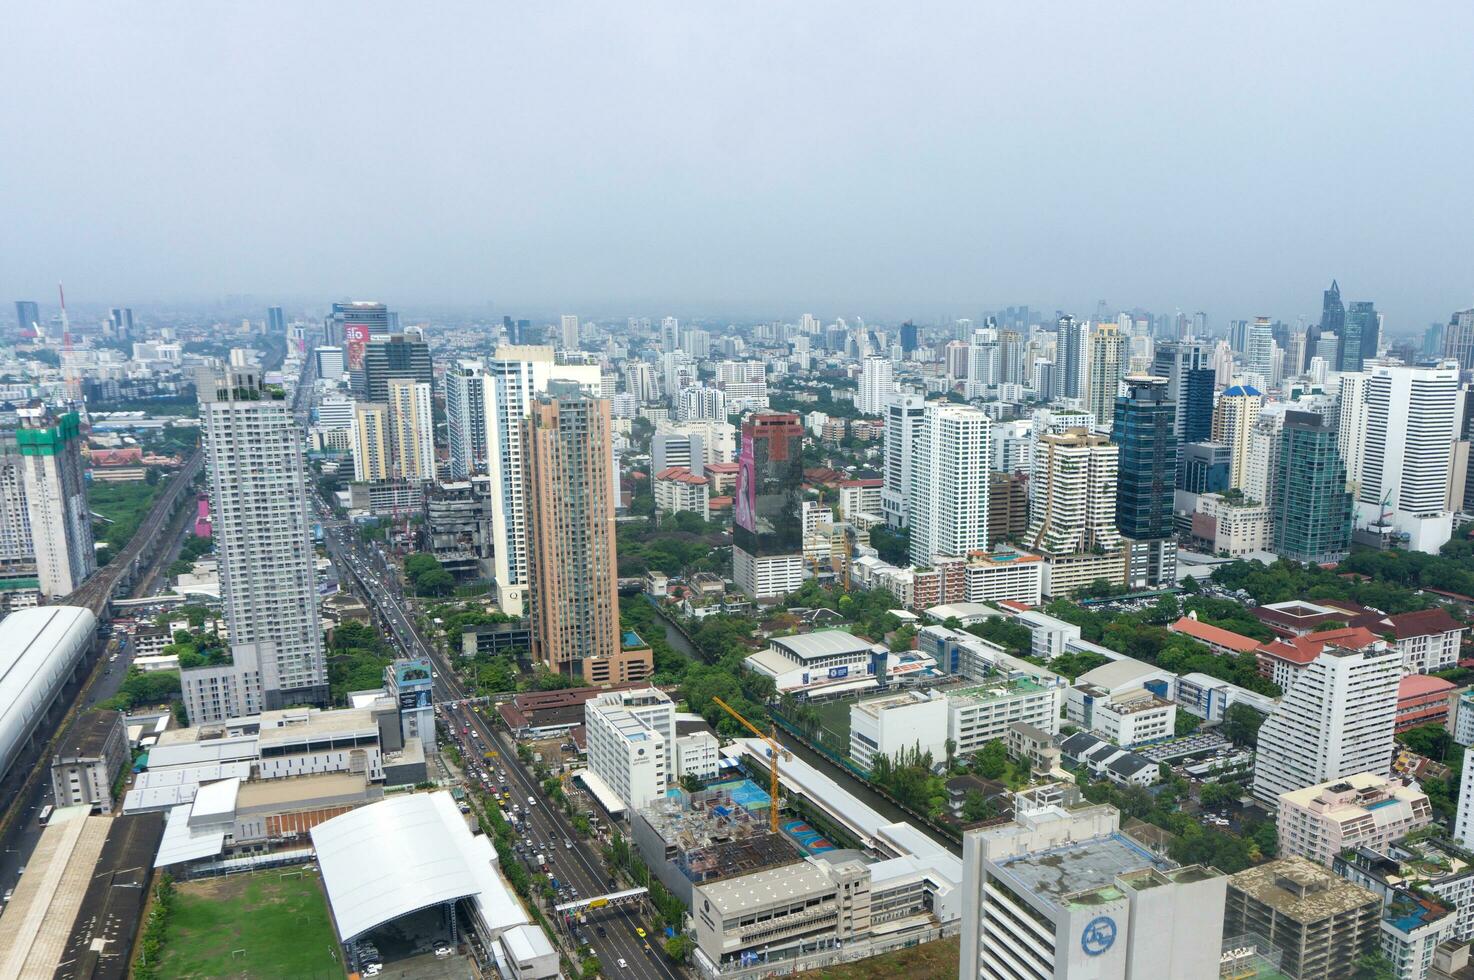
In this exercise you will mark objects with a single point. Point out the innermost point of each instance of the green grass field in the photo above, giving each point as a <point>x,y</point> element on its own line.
<point>281,923</point>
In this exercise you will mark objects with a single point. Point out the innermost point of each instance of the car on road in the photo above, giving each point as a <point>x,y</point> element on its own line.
<point>531,801</point>
<point>640,931</point>
<point>442,951</point>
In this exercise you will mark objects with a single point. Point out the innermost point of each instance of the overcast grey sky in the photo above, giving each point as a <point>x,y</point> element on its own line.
<point>772,158</point>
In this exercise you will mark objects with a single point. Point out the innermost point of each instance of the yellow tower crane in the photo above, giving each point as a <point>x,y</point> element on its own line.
<point>774,749</point>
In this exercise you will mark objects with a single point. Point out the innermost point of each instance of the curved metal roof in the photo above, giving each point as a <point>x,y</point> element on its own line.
<point>407,853</point>
<point>38,649</point>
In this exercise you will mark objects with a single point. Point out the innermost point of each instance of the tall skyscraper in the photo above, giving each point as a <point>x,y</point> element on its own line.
<point>1412,419</point>
<point>876,386</point>
<point>1188,368</point>
<point>262,530</point>
<point>1359,338</point>
<point>949,482</point>
<point>1332,318</point>
<point>568,334</point>
<point>1069,358</point>
<point>349,326</point>
<point>910,337</point>
<point>17,553</point>
<point>1310,504</point>
<point>1458,339</point>
<point>1143,429</point>
<point>372,443</point>
<point>903,415</point>
<point>466,392</point>
<point>1103,369</point>
<point>55,493</point>
<point>1011,357</point>
<point>412,429</point>
<point>120,322</point>
<point>28,316</point>
<point>397,356</point>
<point>1259,349</point>
<point>276,321</point>
<point>1233,421</point>
<point>1072,492</point>
<point>568,486</point>
<point>517,375</point>
<point>1336,719</point>
<point>767,534</point>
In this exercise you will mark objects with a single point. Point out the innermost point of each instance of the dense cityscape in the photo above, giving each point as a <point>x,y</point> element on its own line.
<point>1120,645</point>
<point>669,491</point>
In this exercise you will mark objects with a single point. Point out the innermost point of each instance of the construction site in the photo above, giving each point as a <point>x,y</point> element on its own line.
<point>720,832</point>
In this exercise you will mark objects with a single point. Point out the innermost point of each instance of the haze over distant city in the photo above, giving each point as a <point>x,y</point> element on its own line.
<point>759,158</point>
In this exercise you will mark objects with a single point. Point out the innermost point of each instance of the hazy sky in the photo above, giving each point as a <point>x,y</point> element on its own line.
<point>880,159</point>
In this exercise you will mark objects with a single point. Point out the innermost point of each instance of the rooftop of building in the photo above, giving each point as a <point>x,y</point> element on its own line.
<point>1422,685</point>
<point>1304,649</point>
<point>295,789</point>
<point>1117,673</point>
<point>1083,873</point>
<point>1301,890</point>
<point>760,889</point>
<point>823,643</point>
<point>90,734</point>
<point>992,690</point>
<point>1351,795</point>
<point>1423,623</point>
<point>890,702</point>
<point>1214,635</point>
<point>293,724</point>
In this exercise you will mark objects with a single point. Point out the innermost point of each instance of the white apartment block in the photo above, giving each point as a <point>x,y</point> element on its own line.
<point>1073,494</point>
<point>372,462</point>
<point>631,743</point>
<point>262,530</point>
<point>466,387</point>
<point>876,385</point>
<point>766,576</point>
<point>1412,417</point>
<point>213,694</point>
<point>677,489</point>
<point>1063,894</point>
<point>697,402</point>
<point>1359,810</point>
<point>54,492</point>
<point>980,714</point>
<point>1235,529</point>
<point>1464,819</point>
<point>903,416</point>
<point>949,483</point>
<point>1234,418</point>
<point>1131,718</point>
<point>1001,576</point>
<point>909,721</point>
<point>412,429</point>
<point>1337,719</point>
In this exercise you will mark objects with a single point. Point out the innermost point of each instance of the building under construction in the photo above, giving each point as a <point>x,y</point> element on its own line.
<point>691,838</point>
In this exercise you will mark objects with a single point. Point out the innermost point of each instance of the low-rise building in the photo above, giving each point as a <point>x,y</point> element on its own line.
<point>1034,745</point>
<point>908,721</point>
<point>1422,700</point>
<point>1129,718</point>
<point>1221,641</point>
<point>1322,924</point>
<point>1282,660</point>
<point>1361,810</point>
<point>1428,639</point>
<point>698,754</point>
<point>679,490</point>
<point>1104,760</point>
<point>631,739</point>
<point>984,712</point>
<point>1209,698</point>
<point>1232,527</point>
<point>820,664</point>
<point>1063,893</point>
<point>86,765</point>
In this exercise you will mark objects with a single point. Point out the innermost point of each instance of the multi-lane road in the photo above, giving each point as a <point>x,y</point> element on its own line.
<point>546,827</point>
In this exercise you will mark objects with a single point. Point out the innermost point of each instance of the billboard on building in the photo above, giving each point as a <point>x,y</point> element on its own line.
<point>355,339</point>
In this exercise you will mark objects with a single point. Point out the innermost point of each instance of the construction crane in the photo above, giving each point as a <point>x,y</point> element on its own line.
<point>774,749</point>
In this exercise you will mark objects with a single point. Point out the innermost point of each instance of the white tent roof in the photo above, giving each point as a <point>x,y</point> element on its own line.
<point>183,843</point>
<point>403,854</point>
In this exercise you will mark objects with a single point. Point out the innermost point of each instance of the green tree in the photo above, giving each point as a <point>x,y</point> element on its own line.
<point>992,761</point>
<point>679,947</point>
<point>1241,725</point>
<point>1373,966</point>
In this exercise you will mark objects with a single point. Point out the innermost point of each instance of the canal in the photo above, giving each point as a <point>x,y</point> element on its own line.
<point>856,787</point>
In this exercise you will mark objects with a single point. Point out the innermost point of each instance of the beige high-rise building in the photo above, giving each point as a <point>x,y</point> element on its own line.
<point>1073,494</point>
<point>1234,418</point>
<point>574,573</point>
<point>412,429</point>
<point>1103,371</point>
<point>370,442</point>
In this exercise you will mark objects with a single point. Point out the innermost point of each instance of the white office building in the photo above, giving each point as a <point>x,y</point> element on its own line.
<point>1412,419</point>
<point>1063,894</point>
<point>466,390</point>
<point>262,530</point>
<point>903,416</point>
<point>911,721</point>
<point>1464,820</point>
<point>949,483</point>
<point>631,743</point>
<point>1336,719</point>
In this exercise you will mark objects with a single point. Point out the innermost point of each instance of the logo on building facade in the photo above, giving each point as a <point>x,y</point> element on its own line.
<point>1099,935</point>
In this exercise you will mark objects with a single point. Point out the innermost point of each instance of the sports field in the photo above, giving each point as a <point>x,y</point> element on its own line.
<point>929,961</point>
<point>251,926</point>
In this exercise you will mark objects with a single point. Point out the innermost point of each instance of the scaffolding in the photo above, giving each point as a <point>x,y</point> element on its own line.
<point>714,836</point>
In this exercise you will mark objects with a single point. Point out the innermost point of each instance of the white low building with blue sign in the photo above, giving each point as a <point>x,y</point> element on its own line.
<point>825,663</point>
<point>1063,893</point>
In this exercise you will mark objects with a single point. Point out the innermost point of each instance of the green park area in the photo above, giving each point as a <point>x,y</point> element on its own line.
<point>271,924</point>
<point>929,961</point>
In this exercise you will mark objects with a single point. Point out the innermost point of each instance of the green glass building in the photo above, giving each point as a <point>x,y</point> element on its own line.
<point>1312,508</point>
